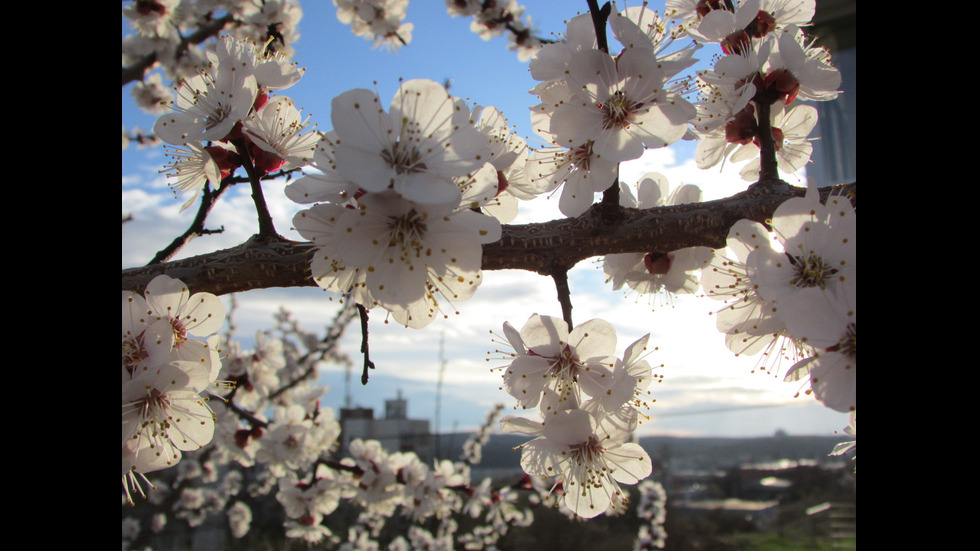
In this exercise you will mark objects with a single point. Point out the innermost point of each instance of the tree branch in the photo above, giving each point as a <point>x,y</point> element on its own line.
<point>138,69</point>
<point>543,248</point>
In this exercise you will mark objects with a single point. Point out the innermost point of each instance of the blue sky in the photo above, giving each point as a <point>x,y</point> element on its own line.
<point>701,375</point>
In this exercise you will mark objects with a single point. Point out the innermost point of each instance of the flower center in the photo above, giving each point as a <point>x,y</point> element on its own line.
<point>581,156</point>
<point>404,159</point>
<point>781,84</point>
<point>180,332</point>
<point>565,364</point>
<point>407,229</point>
<point>742,128</point>
<point>705,6</point>
<point>133,353</point>
<point>811,271</point>
<point>587,452</point>
<point>618,110</point>
<point>216,115</point>
<point>155,412</point>
<point>146,7</point>
<point>763,24</point>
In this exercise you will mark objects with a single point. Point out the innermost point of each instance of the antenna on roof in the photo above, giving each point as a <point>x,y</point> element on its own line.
<point>347,396</point>
<point>442,369</point>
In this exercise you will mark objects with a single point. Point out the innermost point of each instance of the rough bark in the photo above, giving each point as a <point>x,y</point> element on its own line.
<point>543,248</point>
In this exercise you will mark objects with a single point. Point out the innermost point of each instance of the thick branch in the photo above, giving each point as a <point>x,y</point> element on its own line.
<point>542,248</point>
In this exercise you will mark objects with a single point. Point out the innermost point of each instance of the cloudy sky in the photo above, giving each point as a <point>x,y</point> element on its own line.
<point>705,390</point>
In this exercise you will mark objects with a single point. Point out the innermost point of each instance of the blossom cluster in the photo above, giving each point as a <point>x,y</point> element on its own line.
<point>161,27</point>
<point>652,509</point>
<point>170,356</point>
<point>224,117</point>
<point>405,198</point>
<point>377,20</point>
<point>491,19</point>
<point>588,404</point>
<point>789,290</point>
<point>272,439</point>
<point>767,66</point>
<point>598,108</point>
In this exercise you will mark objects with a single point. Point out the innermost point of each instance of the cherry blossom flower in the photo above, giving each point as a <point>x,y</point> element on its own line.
<point>152,17</point>
<point>816,248</point>
<point>624,105</point>
<point>197,315</point>
<point>239,519</point>
<point>272,69</point>
<point>277,129</point>
<point>552,61</point>
<point>296,438</point>
<point>555,367</point>
<point>300,499</point>
<point>627,397</point>
<point>642,26</point>
<point>308,528</point>
<point>378,20</point>
<point>508,157</point>
<point>752,19</point>
<point>397,254</point>
<point>739,141</point>
<point>426,491</point>
<point>719,104</point>
<point>165,371</point>
<point>414,149</point>
<point>192,168</point>
<point>146,340</point>
<point>827,321</point>
<point>324,183</point>
<point>208,106</point>
<point>578,170</point>
<point>804,72</point>
<point>741,68</point>
<point>164,414</point>
<point>376,488</point>
<point>593,458</point>
<point>256,372</point>
<point>652,510</point>
<point>791,127</point>
<point>749,321</point>
<point>261,18</point>
<point>151,95</point>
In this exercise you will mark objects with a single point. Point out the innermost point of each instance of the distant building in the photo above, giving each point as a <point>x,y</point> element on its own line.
<point>396,432</point>
<point>834,158</point>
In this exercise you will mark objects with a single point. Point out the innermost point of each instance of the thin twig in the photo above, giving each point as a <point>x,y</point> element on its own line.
<point>768,166</point>
<point>196,229</point>
<point>564,296</point>
<point>599,18</point>
<point>266,226</point>
<point>368,364</point>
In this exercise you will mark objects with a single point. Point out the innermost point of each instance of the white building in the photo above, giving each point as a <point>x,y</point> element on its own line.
<point>396,432</point>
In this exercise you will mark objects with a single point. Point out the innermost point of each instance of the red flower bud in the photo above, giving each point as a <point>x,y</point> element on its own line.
<point>657,263</point>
